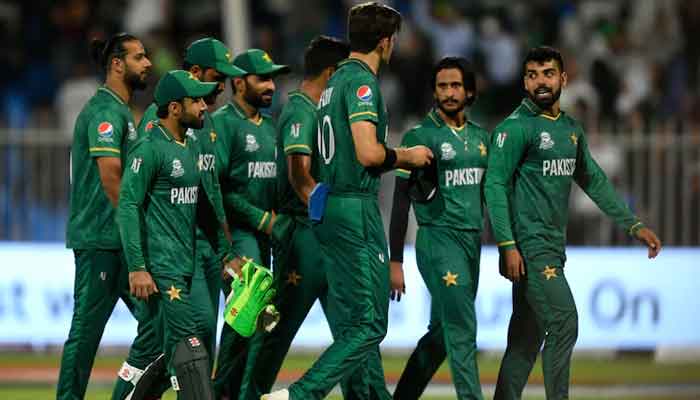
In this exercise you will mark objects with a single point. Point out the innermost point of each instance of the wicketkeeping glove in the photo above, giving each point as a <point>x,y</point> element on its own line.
<point>248,306</point>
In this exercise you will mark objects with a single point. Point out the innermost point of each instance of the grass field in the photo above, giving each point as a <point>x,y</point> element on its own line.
<point>628,370</point>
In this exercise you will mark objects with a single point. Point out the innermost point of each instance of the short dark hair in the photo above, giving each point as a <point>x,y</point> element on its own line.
<point>541,55</point>
<point>162,111</point>
<point>323,52</point>
<point>103,51</point>
<point>465,67</point>
<point>368,23</point>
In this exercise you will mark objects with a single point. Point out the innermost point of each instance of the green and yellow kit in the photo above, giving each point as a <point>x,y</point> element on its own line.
<point>534,160</point>
<point>448,250</point>
<point>104,128</point>
<point>245,154</point>
<point>351,236</point>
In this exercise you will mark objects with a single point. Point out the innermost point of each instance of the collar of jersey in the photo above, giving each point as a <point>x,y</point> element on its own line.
<point>168,136</point>
<point>303,96</point>
<point>534,109</point>
<point>361,63</point>
<point>439,122</point>
<point>241,113</point>
<point>109,91</point>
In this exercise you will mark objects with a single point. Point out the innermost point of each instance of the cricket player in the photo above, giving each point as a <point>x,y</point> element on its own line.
<point>448,243</point>
<point>208,60</point>
<point>245,154</point>
<point>103,132</point>
<point>157,217</point>
<point>352,137</point>
<point>535,156</point>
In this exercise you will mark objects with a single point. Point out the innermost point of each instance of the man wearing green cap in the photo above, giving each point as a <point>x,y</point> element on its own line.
<point>247,174</point>
<point>104,130</point>
<point>161,189</point>
<point>209,60</point>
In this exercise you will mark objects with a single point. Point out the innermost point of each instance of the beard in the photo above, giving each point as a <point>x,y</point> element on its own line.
<point>256,99</point>
<point>134,81</point>
<point>191,122</point>
<point>455,108</point>
<point>547,102</point>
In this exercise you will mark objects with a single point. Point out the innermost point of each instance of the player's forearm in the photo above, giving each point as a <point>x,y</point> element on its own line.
<point>499,213</point>
<point>130,233</point>
<point>245,212</point>
<point>111,182</point>
<point>601,191</point>
<point>399,219</point>
<point>303,184</point>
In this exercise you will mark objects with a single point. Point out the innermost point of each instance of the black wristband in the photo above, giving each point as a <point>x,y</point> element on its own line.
<point>389,158</point>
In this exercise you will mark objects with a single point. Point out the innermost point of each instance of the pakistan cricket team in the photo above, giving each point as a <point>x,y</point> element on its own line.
<point>193,202</point>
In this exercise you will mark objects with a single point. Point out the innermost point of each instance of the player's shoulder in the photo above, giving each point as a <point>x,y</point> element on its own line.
<point>478,129</point>
<point>144,144</point>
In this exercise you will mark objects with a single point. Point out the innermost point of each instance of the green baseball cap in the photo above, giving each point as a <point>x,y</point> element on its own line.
<point>178,84</point>
<point>258,62</point>
<point>211,53</point>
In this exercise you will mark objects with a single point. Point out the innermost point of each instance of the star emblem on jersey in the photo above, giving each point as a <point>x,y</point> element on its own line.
<point>212,136</point>
<point>549,272</point>
<point>293,278</point>
<point>177,171</point>
<point>450,279</point>
<point>546,141</point>
<point>574,139</point>
<point>448,152</point>
<point>174,293</point>
<point>251,144</point>
<point>482,149</point>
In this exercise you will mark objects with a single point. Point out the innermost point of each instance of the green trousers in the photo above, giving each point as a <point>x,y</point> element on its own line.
<point>448,260</point>
<point>233,348</point>
<point>353,244</point>
<point>300,277</point>
<point>148,344</point>
<point>101,279</point>
<point>543,311</point>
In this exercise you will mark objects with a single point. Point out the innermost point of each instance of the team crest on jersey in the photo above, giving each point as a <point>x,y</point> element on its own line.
<point>546,141</point>
<point>105,132</point>
<point>251,144</point>
<point>177,171</point>
<point>364,93</point>
<point>294,130</point>
<point>448,152</point>
<point>132,131</point>
<point>149,126</point>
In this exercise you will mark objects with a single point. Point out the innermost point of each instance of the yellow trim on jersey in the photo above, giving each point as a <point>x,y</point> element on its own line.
<point>374,114</point>
<point>458,129</point>
<point>633,226</point>
<point>404,171</point>
<point>262,220</point>
<point>258,122</point>
<point>183,143</point>
<point>297,146</point>
<point>506,243</point>
<point>550,117</point>
<point>105,149</point>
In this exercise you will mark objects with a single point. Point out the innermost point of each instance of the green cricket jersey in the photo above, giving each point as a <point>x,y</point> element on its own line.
<point>461,155</point>
<point>297,129</point>
<point>160,187</point>
<point>104,128</point>
<point>534,160</point>
<point>246,153</point>
<point>352,95</point>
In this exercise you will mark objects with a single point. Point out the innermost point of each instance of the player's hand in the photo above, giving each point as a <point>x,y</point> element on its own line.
<point>273,218</point>
<point>141,284</point>
<point>418,156</point>
<point>648,237</point>
<point>398,286</point>
<point>233,266</point>
<point>515,267</point>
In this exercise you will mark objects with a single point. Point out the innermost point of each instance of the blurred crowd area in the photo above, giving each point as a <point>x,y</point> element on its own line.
<point>632,66</point>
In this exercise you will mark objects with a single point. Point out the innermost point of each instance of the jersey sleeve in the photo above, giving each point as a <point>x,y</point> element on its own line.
<point>508,146</point>
<point>148,119</point>
<point>410,139</point>
<point>592,179</point>
<point>137,179</point>
<point>298,133</point>
<point>362,99</point>
<point>106,131</point>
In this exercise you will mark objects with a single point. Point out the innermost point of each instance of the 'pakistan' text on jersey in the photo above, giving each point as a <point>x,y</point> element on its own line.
<point>296,134</point>
<point>247,168</point>
<point>352,95</point>
<point>104,128</point>
<point>534,160</point>
<point>162,180</point>
<point>461,156</point>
